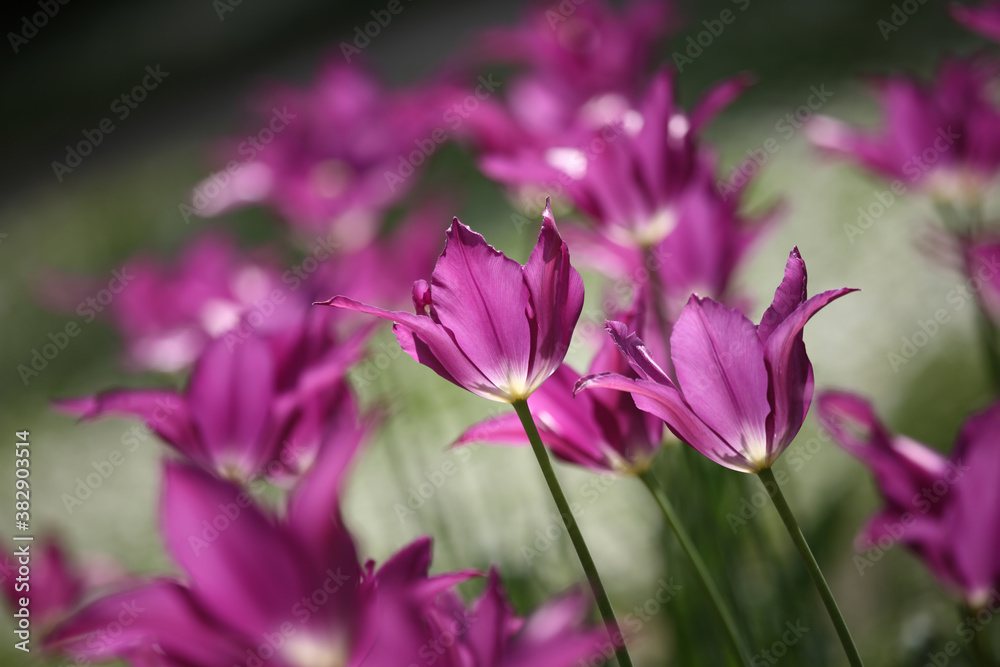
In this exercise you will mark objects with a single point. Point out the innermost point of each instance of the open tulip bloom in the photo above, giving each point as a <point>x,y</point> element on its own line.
<point>291,592</point>
<point>499,330</point>
<point>946,510</point>
<point>264,405</point>
<point>742,390</point>
<point>486,323</point>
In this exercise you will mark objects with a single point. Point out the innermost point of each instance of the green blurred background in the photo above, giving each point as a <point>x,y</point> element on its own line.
<point>124,198</point>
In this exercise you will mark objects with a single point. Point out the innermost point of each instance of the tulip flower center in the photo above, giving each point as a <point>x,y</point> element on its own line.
<point>656,228</point>
<point>755,450</point>
<point>309,652</point>
<point>955,185</point>
<point>516,389</point>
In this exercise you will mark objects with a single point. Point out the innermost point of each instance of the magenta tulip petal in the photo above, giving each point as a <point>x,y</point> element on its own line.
<point>480,296</point>
<point>166,413</point>
<point>569,426</point>
<point>502,429</point>
<point>718,98</point>
<point>945,510</point>
<point>492,613</point>
<point>975,523</point>
<point>230,396</point>
<point>637,354</point>
<point>314,503</point>
<point>667,403</point>
<point>719,361</point>
<point>984,19</point>
<point>160,613</point>
<point>428,343</point>
<point>556,291</point>
<point>236,557</point>
<point>56,586</point>
<point>791,372</point>
<point>789,295</point>
<point>486,323</point>
<point>902,467</point>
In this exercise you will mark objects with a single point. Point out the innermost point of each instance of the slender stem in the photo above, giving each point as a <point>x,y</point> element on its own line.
<point>988,336</point>
<point>981,653</point>
<point>778,498</point>
<point>603,602</point>
<point>703,575</point>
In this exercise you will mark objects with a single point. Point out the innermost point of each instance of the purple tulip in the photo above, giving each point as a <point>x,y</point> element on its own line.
<point>984,19</point>
<point>167,313</point>
<point>56,586</point>
<point>650,195</point>
<point>628,177</point>
<point>947,510</point>
<point>257,588</point>
<point>584,68</point>
<point>320,157</point>
<point>486,323</point>
<point>254,406</point>
<point>600,429</point>
<point>982,268</point>
<point>943,136</point>
<point>742,390</point>
<point>489,634</point>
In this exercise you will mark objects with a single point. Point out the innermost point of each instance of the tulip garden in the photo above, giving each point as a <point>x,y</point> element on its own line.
<point>535,362</point>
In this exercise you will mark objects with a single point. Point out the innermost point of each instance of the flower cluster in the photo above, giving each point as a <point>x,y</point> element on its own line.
<point>265,432</point>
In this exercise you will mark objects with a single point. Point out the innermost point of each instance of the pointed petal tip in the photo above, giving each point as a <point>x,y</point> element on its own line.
<point>81,407</point>
<point>614,326</point>
<point>548,219</point>
<point>582,384</point>
<point>335,302</point>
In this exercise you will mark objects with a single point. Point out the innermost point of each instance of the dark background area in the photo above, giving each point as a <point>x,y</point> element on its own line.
<point>64,79</point>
